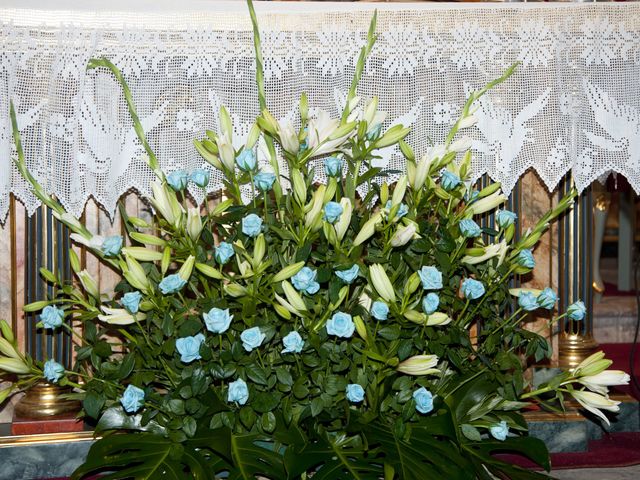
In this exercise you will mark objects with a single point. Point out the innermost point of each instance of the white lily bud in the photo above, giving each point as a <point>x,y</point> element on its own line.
<point>287,272</point>
<point>317,202</point>
<point>94,242</point>
<point>252,138</point>
<point>209,271</point>
<point>419,365</point>
<point>488,203</point>
<point>365,301</point>
<point>245,268</point>
<point>13,365</point>
<point>437,319</point>
<point>187,268</point>
<point>360,327</point>
<point>293,297</point>
<point>89,284</point>
<point>259,249</point>
<point>287,306</point>
<point>592,365</point>
<point>288,137</point>
<point>235,290</point>
<point>368,229</point>
<point>403,235</point>
<point>600,381</point>
<point>227,154</point>
<point>421,172</point>
<point>194,223</point>
<point>595,402</point>
<point>461,145</point>
<point>382,283</point>
<point>299,186</point>
<point>161,203</point>
<point>353,103</point>
<point>399,191</point>
<point>69,220</point>
<point>119,316</point>
<point>342,225</point>
<point>225,123</point>
<point>136,275</point>
<point>142,253</point>
<point>494,250</point>
<point>370,109</point>
<point>7,349</point>
<point>468,121</point>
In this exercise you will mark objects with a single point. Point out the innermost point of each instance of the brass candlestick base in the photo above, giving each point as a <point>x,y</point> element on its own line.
<point>575,348</point>
<point>43,401</point>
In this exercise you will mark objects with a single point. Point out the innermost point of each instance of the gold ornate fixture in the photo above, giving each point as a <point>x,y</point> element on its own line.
<point>43,401</point>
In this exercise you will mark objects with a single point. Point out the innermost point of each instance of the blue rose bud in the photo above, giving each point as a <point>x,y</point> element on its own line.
<point>374,133</point>
<point>341,325</point>
<point>333,166</point>
<point>264,181</point>
<point>547,298</point>
<point>449,180</point>
<point>217,320</point>
<point>472,289</point>
<point>178,180</point>
<point>430,303</point>
<point>355,393</point>
<point>499,431</point>
<point>577,311</point>
<point>171,284</point>
<point>111,246</point>
<point>402,211</point>
<point>430,277</point>
<point>200,177</point>
<point>505,218</point>
<point>189,348</point>
<point>252,338</point>
<point>423,399</point>
<point>379,310</point>
<point>469,228</point>
<point>238,392</point>
<point>51,316</point>
<point>53,371</point>
<point>332,212</point>
<point>132,399</point>
<point>292,342</point>
<point>131,301</point>
<point>528,301</point>
<point>305,281</point>
<point>251,225</point>
<point>223,253</point>
<point>246,160</point>
<point>525,259</point>
<point>349,275</point>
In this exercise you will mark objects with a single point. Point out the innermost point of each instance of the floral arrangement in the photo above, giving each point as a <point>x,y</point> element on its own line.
<point>312,332</point>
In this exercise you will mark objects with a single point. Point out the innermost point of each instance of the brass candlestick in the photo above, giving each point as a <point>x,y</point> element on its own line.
<point>43,401</point>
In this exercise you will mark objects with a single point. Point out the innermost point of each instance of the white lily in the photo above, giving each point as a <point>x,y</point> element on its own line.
<point>382,283</point>
<point>592,365</point>
<point>462,144</point>
<point>600,381</point>
<point>319,130</point>
<point>516,292</point>
<point>287,306</point>
<point>89,283</point>
<point>494,250</point>
<point>343,222</point>
<point>13,365</point>
<point>316,204</point>
<point>487,203</point>
<point>468,121</point>
<point>187,268</point>
<point>404,234</point>
<point>419,365</point>
<point>226,153</point>
<point>7,349</point>
<point>194,223</point>
<point>418,174</point>
<point>437,319</point>
<point>119,316</point>
<point>288,137</point>
<point>368,229</point>
<point>94,242</point>
<point>68,219</point>
<point>293,297</point>
<point>365,301</point>
<point>595,403</point>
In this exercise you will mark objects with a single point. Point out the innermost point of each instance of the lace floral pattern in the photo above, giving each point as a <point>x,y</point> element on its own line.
<point>574,103</point>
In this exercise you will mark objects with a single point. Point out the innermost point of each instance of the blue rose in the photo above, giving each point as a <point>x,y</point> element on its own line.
<point>379,310</point>
<point>577,311</point>
<point>251,225</point>
<point>341,325</point>
<point>200,177</point>
<point>111,246</point>
<point>53,371</point>
<point>132,399</point>
<point>547,298</point>
<point>223,252</point>
<point>528,301</point>
<point>471,196</point>
<point>189,348</point>
<point>505,218</point>
<point>51,316</point>
<point>469,228</point>
<point>430,303</point>
<point>355,393</point>
<point>499,431</point>
<point>423,399</point>
<point>374,133</point>
<point>171,284</point>
<point>292,342</point>
<point>246,160</point>
<point>178,180</point>
<point>238,392</point>
<point>305,281</point>
<point>217,320</point>
<point>449,180</point>
<point>333,166</point>
<point>252,338</point>
<point>332,212</point>
<point>472,289</point>
<point>525,259</point>
<point>131,301</point>
<point>348,276</point>
<point>431,278</point>
<point>402,211</point>
<point>264,181</point>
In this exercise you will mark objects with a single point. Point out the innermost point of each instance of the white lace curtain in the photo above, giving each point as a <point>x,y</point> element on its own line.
<point>574,103</point>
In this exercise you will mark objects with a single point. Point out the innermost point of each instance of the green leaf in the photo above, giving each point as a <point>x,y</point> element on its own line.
<point>92,404</point>
<point>115,418</point>
<point>471,432</point>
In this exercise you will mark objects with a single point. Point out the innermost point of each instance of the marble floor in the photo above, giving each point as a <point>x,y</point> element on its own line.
<point>626,473</point>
